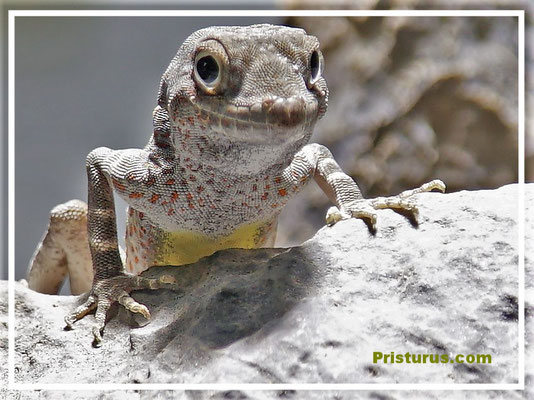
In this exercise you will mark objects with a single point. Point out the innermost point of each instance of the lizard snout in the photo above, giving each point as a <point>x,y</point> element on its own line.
<point>286,112</point>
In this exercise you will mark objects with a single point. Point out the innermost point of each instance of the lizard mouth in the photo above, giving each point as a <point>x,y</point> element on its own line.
<point>272,119</point>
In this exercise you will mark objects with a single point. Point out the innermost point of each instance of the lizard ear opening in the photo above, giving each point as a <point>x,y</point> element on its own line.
<point>316,65</point>
<point>210,66</point>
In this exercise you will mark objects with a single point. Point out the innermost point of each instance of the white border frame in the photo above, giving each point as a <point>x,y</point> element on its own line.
<point>520,14</point>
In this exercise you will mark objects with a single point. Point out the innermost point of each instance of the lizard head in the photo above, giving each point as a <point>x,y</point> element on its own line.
<point>255,86</point>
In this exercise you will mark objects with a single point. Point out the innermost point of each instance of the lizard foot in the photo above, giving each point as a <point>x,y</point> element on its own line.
<point>365,208</point>
<point>116,289</point>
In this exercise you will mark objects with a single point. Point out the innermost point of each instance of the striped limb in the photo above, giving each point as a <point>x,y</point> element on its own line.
<point>110,283</point>
<point>316,160</point>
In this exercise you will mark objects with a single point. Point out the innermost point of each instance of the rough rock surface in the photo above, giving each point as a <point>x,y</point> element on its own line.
<point>417,98</point>
<point>313,313</point>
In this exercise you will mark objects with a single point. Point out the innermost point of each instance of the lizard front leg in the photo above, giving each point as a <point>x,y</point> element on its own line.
<point>345,193</point>
<point>110,283</point>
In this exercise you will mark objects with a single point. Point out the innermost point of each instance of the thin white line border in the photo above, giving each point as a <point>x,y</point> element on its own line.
<point>520,14</point>
<point>266,13</point>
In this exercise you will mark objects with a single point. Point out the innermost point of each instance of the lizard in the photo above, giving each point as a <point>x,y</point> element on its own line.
<point>230,146</point>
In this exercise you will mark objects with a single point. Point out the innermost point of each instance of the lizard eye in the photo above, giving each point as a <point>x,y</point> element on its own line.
<point>207,71</point>
<point>316,66</point>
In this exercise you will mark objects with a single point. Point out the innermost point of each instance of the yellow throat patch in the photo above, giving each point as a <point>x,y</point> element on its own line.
<point>179,248</point>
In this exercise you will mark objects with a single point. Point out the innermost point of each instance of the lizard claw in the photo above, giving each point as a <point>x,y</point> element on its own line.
<point>360,210</point>
<point>80,311</point>
<point>334,215</point>
<point>436,184</point>
<point>364,208</point>
<point>115,289</point>
<point>100,317</point>
<point>131,305</point>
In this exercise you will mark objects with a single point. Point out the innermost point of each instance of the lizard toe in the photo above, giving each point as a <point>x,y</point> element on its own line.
<point>107,291</point>
<point>334,215</point>
<point>100,317</point>
<point>80,311</point>
<point>393,202</point>
<point>130,304</point>
<point>361,209</point>
<point>435,184</point>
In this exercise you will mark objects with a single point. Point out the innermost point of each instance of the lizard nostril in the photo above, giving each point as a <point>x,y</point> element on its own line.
<point>267,104</point>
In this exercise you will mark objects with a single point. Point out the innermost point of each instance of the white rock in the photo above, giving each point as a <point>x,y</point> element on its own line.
<point>311,314</point>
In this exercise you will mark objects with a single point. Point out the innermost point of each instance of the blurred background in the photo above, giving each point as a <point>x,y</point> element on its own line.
<point>414,99</point>
<point>411,99</point>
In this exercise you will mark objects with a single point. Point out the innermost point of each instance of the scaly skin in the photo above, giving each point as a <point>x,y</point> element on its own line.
<point>236,108</point>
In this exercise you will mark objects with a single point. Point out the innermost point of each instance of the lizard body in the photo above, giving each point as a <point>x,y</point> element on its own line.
<point>235,111</point>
